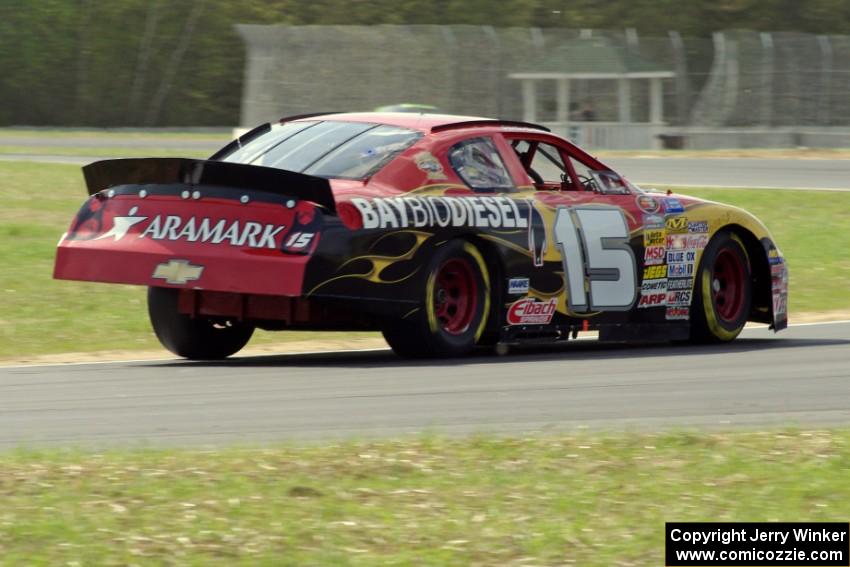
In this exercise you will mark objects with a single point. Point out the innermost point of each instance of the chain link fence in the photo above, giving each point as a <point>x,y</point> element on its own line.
<point>733,79</point>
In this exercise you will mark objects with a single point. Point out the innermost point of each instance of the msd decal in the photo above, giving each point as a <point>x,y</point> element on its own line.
<point>419,212</point>
<point>654,255</point>
<point>532,312</point>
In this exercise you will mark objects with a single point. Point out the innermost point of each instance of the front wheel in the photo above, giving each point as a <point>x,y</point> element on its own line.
<point>722,291</point>
<point>455,306</point>
<point>193,337</point>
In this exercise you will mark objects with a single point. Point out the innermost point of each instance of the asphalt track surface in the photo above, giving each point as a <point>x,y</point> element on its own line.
<point>822,174</point>
<point>799,376</point>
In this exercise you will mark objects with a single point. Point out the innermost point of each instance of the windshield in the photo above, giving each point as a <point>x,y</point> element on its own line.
<point>348,150</point>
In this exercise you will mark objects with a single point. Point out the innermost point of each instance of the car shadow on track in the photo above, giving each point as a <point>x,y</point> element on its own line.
<point>580,350</point>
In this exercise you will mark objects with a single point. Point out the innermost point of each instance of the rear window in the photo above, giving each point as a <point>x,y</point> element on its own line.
<point>349,150</point>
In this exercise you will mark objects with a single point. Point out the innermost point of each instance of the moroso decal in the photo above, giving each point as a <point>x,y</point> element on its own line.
<point>532,312</point>
<point>478,212</point>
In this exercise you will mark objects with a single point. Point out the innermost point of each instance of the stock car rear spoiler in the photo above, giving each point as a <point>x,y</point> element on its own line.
<point>104,174</point>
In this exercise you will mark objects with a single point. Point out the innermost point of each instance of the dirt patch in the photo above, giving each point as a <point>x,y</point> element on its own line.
<point>819,316</point>
<point>291,347</point>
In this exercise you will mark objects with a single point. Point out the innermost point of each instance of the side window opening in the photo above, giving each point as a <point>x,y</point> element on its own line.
<point>478,163</point>
<point>600,181</point>
<point>544,164</point>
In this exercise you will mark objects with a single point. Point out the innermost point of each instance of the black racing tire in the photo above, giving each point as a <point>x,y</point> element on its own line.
<point>454,306</point>
<point>194,338</point>
<point>723,290</point>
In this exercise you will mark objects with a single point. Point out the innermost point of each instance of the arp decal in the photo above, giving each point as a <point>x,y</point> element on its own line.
<point>420,212</point>
<point>529,311</point>
<point>652,300</point>
<point>653,293</point>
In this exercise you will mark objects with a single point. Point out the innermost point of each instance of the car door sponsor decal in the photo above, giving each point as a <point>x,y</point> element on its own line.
<point>456,212</point>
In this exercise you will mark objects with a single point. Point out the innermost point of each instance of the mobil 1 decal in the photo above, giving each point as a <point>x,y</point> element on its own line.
<point>599,266</point>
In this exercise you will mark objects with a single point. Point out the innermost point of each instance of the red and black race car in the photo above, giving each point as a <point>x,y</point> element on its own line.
<point>443,232</point>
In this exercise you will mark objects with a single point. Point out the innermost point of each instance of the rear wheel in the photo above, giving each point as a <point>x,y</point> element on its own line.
<point>722,291</point>
<point>196,338</point>
<point>455,306</point>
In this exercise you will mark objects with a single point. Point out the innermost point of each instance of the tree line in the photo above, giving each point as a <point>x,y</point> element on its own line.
<point>181,62</point>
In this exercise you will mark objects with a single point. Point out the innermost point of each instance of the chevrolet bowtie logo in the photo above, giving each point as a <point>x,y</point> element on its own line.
<point>178,271</point>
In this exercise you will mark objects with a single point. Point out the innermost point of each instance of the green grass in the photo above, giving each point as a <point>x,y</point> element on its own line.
<point>223,135</point>
<point>579,500</point>
<point>39,315</point>
<point>812,228</point>
<point>105,151</point>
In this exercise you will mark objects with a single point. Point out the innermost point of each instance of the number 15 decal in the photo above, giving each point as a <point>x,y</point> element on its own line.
<point>595,250</point>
